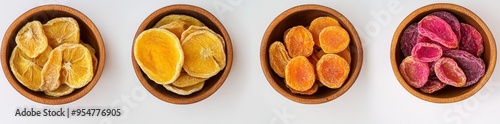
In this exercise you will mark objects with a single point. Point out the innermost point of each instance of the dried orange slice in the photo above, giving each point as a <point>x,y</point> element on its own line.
<point>204,54</point>
<point>195,28</point>
<point>70,64</point>
<point>28,70</point>
<point>62,30</point>
<point>91,49</point>
<point>159,54</point>
<point>31,39</point>
<point>176,27</point>
<point>60,91</point>
<point>186,80</point>
<point>174,17</point>
<point>184,90</point>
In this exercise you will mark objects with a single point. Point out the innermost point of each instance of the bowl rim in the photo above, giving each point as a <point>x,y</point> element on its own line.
<point>355,41</point>
<point>434,7</point>
<point>229,55</point>
<point>59,100</point>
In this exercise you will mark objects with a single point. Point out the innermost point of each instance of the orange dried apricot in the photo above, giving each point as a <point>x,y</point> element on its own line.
<point>332,70</point>
<point>299,74</point>
<point>311,91</point>
<point>333,39</point>
<point>278,58</point>
<point>319,24</point>
<point>346,54</point>
<point>299,41</point>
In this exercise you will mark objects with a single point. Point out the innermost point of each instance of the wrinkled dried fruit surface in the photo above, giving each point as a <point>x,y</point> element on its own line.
<point>472,66</point>
<point>186,80</point>
<point>278,58</point>
<point>311,91</point>
<point>299,74</point>
<point>62,90</point>
<point>414,72</point>
<point>438,30</point>
<point>318,24</point>
<point>448,72</point>
<point>62,30</point>
<point>424,39</point>
<point>450,19</point>
<point>184,90</point>
<point>432,86</point>
<point>174,17</point>
<point>159,54</point>
<point>31,39</point>
<point>426,52</point>
<point>332,70</point>
<point>204,54</point>
<point>471,40</point>
<point>409,39</point>
<point>299,42</point>
<point>194,28</point>
<point>334,39</point>
<point>176,27</point>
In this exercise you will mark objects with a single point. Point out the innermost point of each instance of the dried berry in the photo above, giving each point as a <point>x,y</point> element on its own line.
<point>471,40</point>
<point>438,30</point>
<point>448,72</point>
<point>473,67</point>
<point>414,72</point>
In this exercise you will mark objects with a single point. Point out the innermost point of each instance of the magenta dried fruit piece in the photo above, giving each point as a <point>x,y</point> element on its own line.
<point>450,19</point>
<point>432,85</point>
<point>409,39</point>
<point>438,30</point>
<point>471,40</point>
<point>448,72</point>
<point>424,39</point>
<point>414,72</point>
<point>426,52</point>
<point>473,67</point>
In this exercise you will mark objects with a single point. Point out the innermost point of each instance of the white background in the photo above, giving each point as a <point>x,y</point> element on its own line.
<point>246,97</point>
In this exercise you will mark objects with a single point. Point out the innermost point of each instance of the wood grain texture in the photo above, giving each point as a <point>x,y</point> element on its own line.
<point>88,33</point>
<point>303,15</point>
<point>213,83</point>
<point>448,94</point>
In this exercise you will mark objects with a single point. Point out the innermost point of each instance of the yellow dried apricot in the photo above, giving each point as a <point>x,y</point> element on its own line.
<point>28,70</point>
<point>299,41</point>
<point>174,17</point>
<point>31,39</point>
<point>62,30</point>
<point>319,24</point>
<point>299,74</point>
<point>159,54</point>
<point>278,58</point>
<point>204,54</point>
<point>332,70</point>
<point>333,39</point>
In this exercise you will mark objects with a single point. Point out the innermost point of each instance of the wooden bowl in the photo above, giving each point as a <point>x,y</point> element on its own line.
<point>303,15</point>
<point>448,94</point>
<point>88,33</point>
<point>212,84</point>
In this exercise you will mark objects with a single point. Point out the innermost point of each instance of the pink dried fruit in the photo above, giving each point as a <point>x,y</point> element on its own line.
<point>426,52</point>
<point>409,39</point>
<point>414,72</point>
<point>424,39</point>
<point>450,19</point>
<point>438,30</point>
<point>471,40</point>
<point>472,66</point>
<point>432,85</point>
<point>448,72</point>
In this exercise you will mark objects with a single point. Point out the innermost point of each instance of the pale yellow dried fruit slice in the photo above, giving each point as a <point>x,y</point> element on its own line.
<point>73,62</point>
<point>176,27</point>
<point>195,28</point>
<point>91,49</point>
<point>186,80</point>
<point>62,90</point>
<point>31,39</point>
<point>62,30</point>
<point>28,70</point>
<point>159,54</point>
<point>204,54</point>
<point>184,90</point>
<point>174,17</point>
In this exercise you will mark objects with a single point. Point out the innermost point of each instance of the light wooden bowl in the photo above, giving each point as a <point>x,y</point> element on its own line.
<point>448,94</point>
<point>88,33</point>
<point>212,84</point>
<point>303,15</point>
